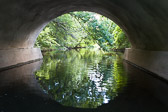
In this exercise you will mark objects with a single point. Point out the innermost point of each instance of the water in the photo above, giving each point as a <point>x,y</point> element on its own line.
<point>81,81</point>
<point>84,78</point>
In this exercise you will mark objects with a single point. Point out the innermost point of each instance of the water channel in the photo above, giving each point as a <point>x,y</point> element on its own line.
<point>81,81</point>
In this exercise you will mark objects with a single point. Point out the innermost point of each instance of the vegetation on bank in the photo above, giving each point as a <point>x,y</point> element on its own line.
<point>80,30</point>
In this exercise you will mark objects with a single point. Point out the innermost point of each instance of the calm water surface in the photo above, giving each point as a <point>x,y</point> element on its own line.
<point>84,78</point>
<point>81,81</point>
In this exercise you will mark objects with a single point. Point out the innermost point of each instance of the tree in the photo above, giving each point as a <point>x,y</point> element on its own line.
<point>82,29</point>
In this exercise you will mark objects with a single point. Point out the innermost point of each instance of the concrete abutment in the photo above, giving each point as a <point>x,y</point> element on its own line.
<point>145,23</point>
<point>16,57</point>
<point>152,61</point>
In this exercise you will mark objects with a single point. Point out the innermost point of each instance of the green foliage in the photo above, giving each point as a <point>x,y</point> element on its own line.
<point>97,29</point>
<point>120,39</point>
<point>45,40</point>
<point>82,29</point>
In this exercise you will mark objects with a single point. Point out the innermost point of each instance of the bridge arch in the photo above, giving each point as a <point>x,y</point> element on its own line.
<point>144,21</point>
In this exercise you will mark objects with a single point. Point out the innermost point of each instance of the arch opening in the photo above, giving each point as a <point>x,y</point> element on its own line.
<point>80,73</point>
<point>134,17</point>
<point>82,29</point>
<point>144,24</point>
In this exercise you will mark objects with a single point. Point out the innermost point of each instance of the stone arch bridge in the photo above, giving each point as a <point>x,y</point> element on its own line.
<point>144,21</point>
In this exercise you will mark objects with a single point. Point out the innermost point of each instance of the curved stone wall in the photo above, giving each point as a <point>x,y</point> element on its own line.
<point>144,21</point>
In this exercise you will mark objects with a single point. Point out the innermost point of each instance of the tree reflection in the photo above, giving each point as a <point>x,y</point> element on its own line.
<point>84,78</point>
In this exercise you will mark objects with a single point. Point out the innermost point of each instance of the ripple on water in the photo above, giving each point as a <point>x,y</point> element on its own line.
<point>87,80</point>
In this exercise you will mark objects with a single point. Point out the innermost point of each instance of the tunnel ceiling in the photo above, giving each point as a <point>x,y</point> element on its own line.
<point>144,21</point>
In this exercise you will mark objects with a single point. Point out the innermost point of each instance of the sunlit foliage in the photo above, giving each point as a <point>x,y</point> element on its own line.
<point>82,29</point>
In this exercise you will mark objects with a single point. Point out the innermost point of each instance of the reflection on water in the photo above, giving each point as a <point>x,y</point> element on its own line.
<point>84,78</point>
<point>139,92</point>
